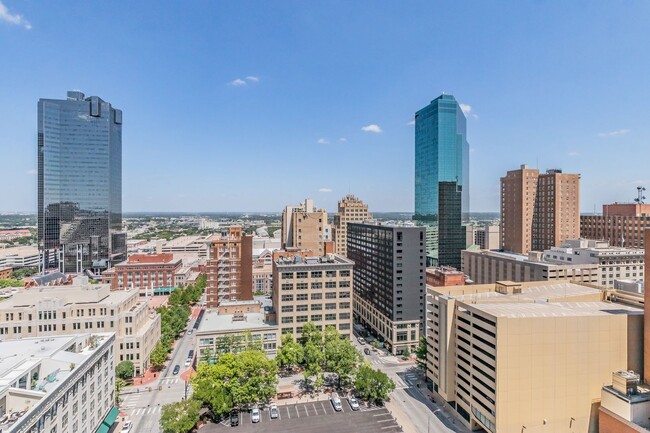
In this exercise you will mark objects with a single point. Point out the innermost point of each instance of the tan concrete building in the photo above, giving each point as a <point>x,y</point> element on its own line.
<point>621,224</point>
<point>145,272</point>
<point>547,348</point>
<point>538,211</point>
<point>351,210</point>
<point>487,267</point>
<point>313,289</point>
<point>230,267</point>
<point>305,227</point>
<point>64,310</point>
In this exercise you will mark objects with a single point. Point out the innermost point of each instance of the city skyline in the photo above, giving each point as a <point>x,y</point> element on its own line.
<point>311,91</point>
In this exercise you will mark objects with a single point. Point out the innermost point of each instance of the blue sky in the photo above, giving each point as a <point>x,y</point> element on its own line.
<point>549,83</point>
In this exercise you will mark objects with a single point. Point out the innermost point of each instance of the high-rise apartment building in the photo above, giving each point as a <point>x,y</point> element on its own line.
<point>312,289</point>
<point>306,228</point>
<point>351,210</point>
<point>442,179</point>
<point>539,211</point>
<point>621,224</point>
<point>80,183</point>
<point>389,281</point>
<point>230,267</point>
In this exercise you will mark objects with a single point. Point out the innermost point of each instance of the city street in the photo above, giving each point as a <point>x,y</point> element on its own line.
<point>143,404</point>
<point>409,404</point>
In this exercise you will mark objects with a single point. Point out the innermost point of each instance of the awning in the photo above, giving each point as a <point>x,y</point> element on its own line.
<point>108,421</point>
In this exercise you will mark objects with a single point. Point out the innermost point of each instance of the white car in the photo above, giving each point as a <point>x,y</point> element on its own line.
<point>362,340</point>
<point>273,411</point>
<point>354,403</point>
<point>255,415</point>
<point>126,427</point>
<point>336,402</point>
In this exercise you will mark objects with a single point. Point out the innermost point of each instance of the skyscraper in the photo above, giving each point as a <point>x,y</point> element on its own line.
<point>351,210</point>
<point>442,179</point>
<point>539,211</point>
<point>80,183</point>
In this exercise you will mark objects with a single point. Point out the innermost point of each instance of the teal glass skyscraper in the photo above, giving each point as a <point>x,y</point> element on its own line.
<point>442,179</point>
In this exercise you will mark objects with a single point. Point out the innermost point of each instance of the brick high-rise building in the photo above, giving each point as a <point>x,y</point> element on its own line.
<point>305,227</point>
<point>145,272</point>
<point>230,267</point>
<point>351,210</point>
<point>539,211</point>
<point>621,224</point>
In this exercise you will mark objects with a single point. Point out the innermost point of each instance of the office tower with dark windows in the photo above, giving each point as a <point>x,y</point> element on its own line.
<point>442,179</point>
<point>389,281</point>
<point>80,183</point>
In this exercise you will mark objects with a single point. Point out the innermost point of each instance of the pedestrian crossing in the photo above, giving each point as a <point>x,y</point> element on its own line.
<point>169,381</point>
<point>146,410</point>
<point>378,361</point>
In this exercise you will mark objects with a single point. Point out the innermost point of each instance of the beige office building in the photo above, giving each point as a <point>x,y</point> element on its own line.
<point>531,357</point>
<point>351,210</point>
<point>305,227</point>
<point>312,289</point>
<point>65,310</point>
<point>539,211</point>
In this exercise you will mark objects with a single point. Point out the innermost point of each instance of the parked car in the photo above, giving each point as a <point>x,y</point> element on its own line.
<point>366,351</point>
<point>126,427</point>
<point>177,368</point>
<point>255,415</point>
<point>361,340</point>
<point>188,361</point>
<point>336,402</point>
<point>273,411</point>
<point>234,418</point>
<point>354,404</point>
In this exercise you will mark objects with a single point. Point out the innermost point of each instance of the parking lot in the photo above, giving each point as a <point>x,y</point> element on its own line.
<point>315,417</point>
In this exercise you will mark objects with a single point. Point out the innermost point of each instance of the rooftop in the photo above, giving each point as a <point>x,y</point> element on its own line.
<point>297,260</point>
<point>73,294</point>
<point>530,292</point>
<point>214,322</point>
<point>22,251</point>
<point>149,259</point>
<point>555,309</point>
<point>184,241</point>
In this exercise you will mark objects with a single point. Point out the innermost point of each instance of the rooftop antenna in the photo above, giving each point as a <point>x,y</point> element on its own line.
<point>640,197</point>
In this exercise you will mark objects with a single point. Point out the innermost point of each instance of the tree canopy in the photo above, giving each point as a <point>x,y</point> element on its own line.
<point>124,370</point>
<point>290,353</point>
<point>373,385</point>
<point>179,417</point>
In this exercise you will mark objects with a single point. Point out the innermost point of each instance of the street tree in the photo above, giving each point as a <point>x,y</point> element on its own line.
<point>421,351</point>
<point>373,385</point>
<point>179,417</point>
<point>331,334</point>
<point>290,353</point>
<point>124,370</point>
<point>310,333</point>
<point>159,355</point>
<point>342,358</point>
<point>313,359</point>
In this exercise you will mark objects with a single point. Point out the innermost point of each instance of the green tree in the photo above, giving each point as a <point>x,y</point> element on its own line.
<point>10,283</point>
<point>310,333</point>
<point>179,417</point>
<point>373,385</point>
<point>159,355</point>
<point>342,358</point>
<point>313,358</point>
<point>244,379</point>
<point>119,384</point>
<point>124,370</point>
<point>290,353</point>
<point>331,334</point>
<point>421,351</point>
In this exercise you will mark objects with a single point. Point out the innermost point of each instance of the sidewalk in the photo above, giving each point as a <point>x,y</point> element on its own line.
<point>149,376</point>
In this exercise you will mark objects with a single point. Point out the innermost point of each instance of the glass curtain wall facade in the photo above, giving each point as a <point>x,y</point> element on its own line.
<point>80,183</point>
<point>442,179</point>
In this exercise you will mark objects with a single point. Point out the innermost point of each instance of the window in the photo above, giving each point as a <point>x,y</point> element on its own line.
<point>315,296</point>
<point>301,297</point>
<point>330,274</point>
<point>287,275</point>
<point>301,275</point>
<point>330,295</point>
<point>287,320</point>
<point>316,307</point>
<point>316,317</point>
<point>317,274</point>
<point>330,316</point>
<point>287,298</point>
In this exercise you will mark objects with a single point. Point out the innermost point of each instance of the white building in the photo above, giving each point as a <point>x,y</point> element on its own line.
<point>62,384</point>
<point>20,257</point>
<point>614,263</point>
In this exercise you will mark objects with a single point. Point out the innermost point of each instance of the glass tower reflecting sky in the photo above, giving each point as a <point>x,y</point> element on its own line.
<point>80,182</point>
<point>442,178</point>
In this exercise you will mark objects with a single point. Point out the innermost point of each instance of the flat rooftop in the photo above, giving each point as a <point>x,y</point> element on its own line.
<point>24,251</point>
<point>184,241</point>
<point>530,292</point>
<point>296,260</point>
<point>555,309</point>
<point>83,294</point>
<point>214,322</point>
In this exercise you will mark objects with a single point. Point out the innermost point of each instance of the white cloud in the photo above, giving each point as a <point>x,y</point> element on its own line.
<point>614,133</point>
<point>411,123</point>
<point>32,172</point>
<point>372,128</point>
<point>253,78</point>
<point>323,141</point>
<point>13,18</point>
<point>573,153</point>
<point>325,190</point>
<point>466,108</point>
<point>237,82</point>
<point>343,139</point>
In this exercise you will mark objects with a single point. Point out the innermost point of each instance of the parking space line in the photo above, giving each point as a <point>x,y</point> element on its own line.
<point>314,406</point>
<point>321,405</point>
<point>385,420</point>
<point>306,411</point>
<point>297,413</point>
<point>288,414</point>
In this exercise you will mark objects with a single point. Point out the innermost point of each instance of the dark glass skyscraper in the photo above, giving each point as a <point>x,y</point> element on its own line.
<point>80,182</point>
<point>442,179</point>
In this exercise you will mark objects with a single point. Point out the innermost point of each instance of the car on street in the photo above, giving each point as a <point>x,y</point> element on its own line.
<point>126,427</point>
<point>273,411</point>
<point>366,351</point>
<point>354,403</point>
<point>361,340</point>
<point>255,415</point>
<point>188,361</point>
<point>190,331</point>
<point>177,368</point>
<point>336,402</point>
<point>234,418</point>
